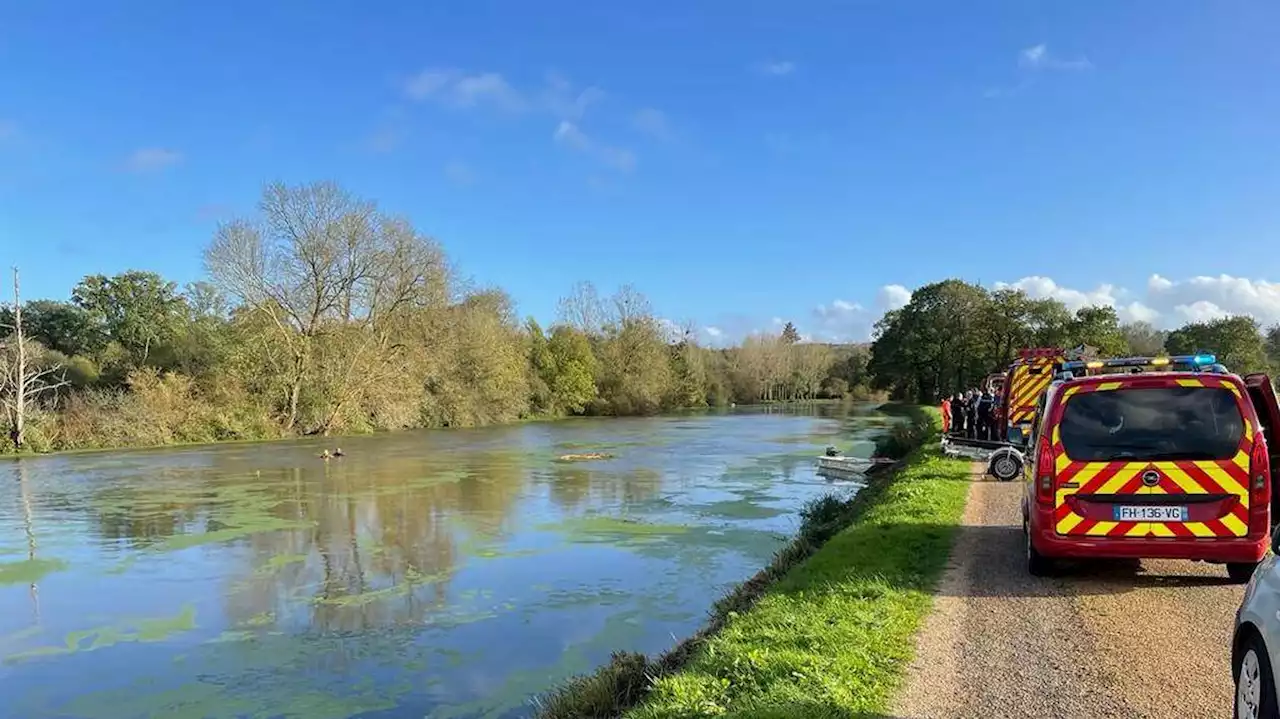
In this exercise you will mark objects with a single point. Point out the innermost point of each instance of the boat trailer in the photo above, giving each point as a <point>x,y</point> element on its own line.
<point>1005,460</point>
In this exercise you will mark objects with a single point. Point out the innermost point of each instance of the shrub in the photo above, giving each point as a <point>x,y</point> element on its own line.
<point>604,693</point>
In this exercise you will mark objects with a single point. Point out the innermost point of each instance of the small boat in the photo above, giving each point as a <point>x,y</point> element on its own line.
<point>841,466</point>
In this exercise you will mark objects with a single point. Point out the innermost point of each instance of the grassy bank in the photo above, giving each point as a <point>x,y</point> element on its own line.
<point>824,631</point>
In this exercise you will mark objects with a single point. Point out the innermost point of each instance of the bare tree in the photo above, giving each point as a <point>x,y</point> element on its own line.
<point>320,262</point>
<point>583,309</point>
<point>22,381</point>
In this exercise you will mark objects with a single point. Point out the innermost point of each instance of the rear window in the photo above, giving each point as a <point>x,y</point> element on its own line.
<point>1157,423</point>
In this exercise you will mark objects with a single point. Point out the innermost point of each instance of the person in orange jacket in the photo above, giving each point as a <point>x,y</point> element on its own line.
<point>946,415</point>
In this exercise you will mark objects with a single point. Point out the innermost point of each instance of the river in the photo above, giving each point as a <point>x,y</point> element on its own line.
<point>450,573</point>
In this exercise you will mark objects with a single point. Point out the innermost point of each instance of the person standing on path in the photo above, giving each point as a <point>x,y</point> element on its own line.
<point>946,415</point>
<point>960,415</point>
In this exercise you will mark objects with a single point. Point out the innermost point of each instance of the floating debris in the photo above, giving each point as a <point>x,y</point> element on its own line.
<point>585,456</point>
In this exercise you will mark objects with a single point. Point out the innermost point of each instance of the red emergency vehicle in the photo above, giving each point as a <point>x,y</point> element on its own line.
<point>1160,457</point>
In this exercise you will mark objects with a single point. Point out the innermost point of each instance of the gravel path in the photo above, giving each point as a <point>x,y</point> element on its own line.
<point>1116,639</point>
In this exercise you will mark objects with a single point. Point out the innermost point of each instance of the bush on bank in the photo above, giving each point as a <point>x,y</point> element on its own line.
<point>824,630</point>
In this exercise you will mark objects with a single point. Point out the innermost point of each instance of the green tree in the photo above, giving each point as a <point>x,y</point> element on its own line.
<point>137,310</point>
<point>1098,327</point>
<point>542,369</point>
<point>573,386</point>
<point>688,373</point>
<point>1236,341</point>
<point>1143,339</point>
<point>61,327</point>
<point>790,335</point>
<point>932,345</point>
<point>1273,348</point>
<point>635,372</point>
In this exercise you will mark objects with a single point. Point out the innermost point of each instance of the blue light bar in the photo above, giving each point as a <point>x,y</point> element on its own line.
<point>1193,360</point>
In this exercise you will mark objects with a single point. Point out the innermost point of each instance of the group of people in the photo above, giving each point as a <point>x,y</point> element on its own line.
<point>971,414</point>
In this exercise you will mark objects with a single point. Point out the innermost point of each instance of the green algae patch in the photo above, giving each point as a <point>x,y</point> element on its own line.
<point>739,509</point>
<point>136,630</point>
<point>29,571</point>
<point>604,529</point>
<point>412,579</point>
<point>278,562</point>
<point>261,619</point>
<point>228,534</point>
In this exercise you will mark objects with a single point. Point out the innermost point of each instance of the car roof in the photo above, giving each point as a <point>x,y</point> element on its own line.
<point>1054,390</point>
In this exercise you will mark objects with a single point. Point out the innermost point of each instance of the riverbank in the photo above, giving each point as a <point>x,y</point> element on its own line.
<point>6,451</point>
<point>825,630</point>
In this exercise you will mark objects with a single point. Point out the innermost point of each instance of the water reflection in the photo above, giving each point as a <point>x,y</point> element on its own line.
<point>444,572</point>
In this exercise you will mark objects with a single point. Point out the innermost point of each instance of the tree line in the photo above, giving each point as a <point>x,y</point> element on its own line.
<point>323,314</point>
<point>952,334</point>
<point>320,314</point>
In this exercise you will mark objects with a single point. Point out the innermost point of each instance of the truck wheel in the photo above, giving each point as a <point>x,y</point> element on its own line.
<point>1038,565</point>
<point>1241,571</point>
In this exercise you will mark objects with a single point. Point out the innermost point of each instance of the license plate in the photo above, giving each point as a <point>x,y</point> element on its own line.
<point>1149,514</point>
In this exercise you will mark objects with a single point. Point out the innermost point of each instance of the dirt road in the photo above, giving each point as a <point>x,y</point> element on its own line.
<point>1120,639</point>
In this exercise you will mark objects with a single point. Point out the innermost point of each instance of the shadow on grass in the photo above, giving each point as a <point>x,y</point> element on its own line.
<point>992,557</point>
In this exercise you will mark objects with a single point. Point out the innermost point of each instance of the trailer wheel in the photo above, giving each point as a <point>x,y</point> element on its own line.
<point>1006,465</point>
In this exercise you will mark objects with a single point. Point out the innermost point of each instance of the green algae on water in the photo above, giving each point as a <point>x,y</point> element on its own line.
<point>227,534</point>
<point>279,561</point>
<point>135,630</point>
<point>29,571</point>
<point>412,579</point>
<point>739,509</point>
<point>602,528</point>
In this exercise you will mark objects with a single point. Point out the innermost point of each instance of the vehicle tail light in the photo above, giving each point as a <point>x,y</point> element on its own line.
<point>1044,473</point>
<point>1259,488</point>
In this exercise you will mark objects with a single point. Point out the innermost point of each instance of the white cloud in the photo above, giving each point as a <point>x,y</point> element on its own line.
<point>1037,57</point>
<point>839,321</point>
<point>570,135</point>
<point>462,89</point>
<point>1206,297</point>
<point>775,68</point>
<point>1169,303</point>
<point>456,88</point>
<point>652,122</point>
<point>1042,287</point>
<point>152,159</point>
<point>893,297</point>
<point>1165,303</point>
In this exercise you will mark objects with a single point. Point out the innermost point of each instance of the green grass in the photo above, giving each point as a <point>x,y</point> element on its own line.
<point>824,631</point>
<point>833,636</point>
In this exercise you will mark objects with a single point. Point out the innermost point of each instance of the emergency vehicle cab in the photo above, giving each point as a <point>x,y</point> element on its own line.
<point>1151,457</point>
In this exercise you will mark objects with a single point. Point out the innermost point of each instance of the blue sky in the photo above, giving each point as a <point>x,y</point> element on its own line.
<point>738,162</point>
